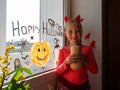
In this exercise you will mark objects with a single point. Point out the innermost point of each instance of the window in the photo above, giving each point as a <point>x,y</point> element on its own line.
<point>31,21</point>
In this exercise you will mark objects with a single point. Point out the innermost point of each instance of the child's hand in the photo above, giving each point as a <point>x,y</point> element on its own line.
<point>76,58</point>
<point>68,60</point>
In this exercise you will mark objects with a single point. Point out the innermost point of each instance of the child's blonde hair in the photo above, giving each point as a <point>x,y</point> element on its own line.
<point>66,42</point>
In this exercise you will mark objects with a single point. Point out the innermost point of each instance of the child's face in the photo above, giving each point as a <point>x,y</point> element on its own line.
<point>73,33</point>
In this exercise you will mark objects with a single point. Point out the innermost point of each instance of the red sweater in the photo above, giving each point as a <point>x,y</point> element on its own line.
<point>76,76</point>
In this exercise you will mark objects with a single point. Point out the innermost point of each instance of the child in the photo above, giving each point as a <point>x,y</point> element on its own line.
<point>69,78</point>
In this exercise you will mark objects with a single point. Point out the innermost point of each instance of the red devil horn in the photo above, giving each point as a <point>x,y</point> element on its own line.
<point>66,19</point>
<point>79,19</point>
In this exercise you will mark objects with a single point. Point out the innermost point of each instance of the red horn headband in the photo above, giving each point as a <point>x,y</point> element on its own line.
<point>78,19</point>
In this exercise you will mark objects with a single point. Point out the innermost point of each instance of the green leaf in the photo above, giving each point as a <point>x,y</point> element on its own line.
<point>27,71</point>
<point>17,74</point>
<point>19,70</point>
<point>13,84</point>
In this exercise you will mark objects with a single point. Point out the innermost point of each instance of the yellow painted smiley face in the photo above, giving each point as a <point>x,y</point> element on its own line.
<point>40,53</point>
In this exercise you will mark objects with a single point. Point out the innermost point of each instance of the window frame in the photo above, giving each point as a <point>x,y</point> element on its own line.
<point>3,26</point>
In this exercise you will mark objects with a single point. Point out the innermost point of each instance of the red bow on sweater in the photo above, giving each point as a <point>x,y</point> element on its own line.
<point>78,19</point>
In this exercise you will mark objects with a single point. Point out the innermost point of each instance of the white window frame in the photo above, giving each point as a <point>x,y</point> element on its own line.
<point>66,4</point>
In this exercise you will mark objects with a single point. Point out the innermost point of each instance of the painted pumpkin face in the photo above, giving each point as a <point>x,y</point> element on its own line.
<point>40,53</point>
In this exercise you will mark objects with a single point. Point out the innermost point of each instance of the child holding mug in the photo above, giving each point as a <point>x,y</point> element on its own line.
<point>74,59</point>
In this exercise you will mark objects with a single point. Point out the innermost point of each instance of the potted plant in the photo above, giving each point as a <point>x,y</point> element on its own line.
<point>18,80</point>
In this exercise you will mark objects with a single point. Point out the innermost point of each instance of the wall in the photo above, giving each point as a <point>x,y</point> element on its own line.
<point>2,24</point>
<point>90,10</point>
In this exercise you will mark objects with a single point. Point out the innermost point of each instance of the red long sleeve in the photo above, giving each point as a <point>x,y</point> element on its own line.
<point>61,67</point>
<point>76,76</point>
<point>91,65</point>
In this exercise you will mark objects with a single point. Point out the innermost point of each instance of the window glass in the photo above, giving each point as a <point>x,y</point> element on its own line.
<point>32,21</point>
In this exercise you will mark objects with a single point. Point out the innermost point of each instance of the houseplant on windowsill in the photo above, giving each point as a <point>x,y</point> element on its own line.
<point>18,80</point>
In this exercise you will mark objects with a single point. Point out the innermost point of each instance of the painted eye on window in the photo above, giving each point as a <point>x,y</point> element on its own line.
<point>44,49</point>
<point>38,49</point>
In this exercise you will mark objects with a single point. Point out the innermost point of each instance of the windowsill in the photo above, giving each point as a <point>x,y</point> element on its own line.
<point>41,74</point>
<point>42,80</point>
